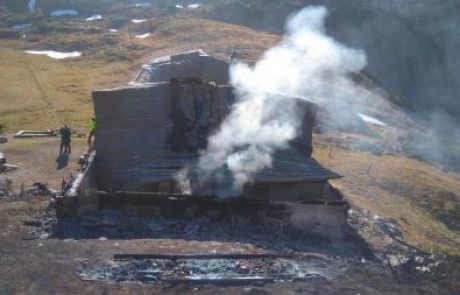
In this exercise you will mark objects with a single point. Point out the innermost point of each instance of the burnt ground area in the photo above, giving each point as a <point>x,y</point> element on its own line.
<point>40,256</point>
<point>74,265</point>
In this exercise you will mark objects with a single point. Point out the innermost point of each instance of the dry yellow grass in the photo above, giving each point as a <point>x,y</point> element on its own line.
<point>396,187</point>
<point>216,38</point>
<point>39,92</point>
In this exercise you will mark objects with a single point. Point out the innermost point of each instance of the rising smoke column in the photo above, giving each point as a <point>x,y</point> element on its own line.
<point>306,63</point>
<point>32,4</point>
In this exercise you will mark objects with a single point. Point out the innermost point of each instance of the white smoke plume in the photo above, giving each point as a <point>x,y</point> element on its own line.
<point>306,63</point>
<point>32,4</point>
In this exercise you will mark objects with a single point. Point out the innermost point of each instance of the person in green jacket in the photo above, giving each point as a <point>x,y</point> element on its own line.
<point>92,130</point>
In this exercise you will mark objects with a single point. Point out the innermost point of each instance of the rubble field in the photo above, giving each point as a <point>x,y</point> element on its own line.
<point>39,255</point>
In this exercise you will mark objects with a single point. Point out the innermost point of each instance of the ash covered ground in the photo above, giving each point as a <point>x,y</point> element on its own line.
<point>315,261</point>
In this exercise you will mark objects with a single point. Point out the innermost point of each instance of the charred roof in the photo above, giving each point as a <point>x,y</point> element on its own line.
<point>196,63</point>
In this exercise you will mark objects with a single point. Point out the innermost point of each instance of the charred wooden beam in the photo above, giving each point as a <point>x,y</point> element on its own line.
<point>210,256</point>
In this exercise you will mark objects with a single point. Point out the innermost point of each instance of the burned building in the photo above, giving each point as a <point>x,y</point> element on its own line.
<point>151,129</point>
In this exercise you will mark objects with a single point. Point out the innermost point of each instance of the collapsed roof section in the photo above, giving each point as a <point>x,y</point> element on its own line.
<point>197,64</point>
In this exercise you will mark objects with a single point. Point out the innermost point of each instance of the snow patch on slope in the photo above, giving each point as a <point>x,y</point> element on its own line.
<point>143,36</point>
<point>64,12</point>
<point>55,54</point>
<point>371,120</point>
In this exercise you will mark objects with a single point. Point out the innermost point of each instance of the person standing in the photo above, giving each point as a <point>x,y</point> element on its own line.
<point>66,134</point>
<point>92,130</point>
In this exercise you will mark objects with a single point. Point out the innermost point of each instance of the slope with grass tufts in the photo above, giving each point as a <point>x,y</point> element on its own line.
<point>40,92</point>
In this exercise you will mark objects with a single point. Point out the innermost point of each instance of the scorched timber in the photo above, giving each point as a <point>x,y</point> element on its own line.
<point>209,256</point>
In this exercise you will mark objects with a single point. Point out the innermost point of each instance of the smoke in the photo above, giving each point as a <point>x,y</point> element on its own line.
<point>306,63</point>
<point>183,182</point>
<point>32,4</point>
<point>437,139</point>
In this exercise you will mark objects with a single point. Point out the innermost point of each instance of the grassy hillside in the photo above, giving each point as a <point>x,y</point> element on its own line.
<point>39,92</point>
<point>216,38</point>
<point>421,199</point>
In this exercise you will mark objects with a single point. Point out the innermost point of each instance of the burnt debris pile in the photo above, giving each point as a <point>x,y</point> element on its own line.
<point>209,268</point>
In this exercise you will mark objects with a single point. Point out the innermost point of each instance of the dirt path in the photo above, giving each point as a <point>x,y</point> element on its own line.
<point>49,107</point>
<point>36,160</point>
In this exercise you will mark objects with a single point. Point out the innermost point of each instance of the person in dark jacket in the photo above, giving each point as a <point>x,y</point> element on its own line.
<point>66,134</point>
